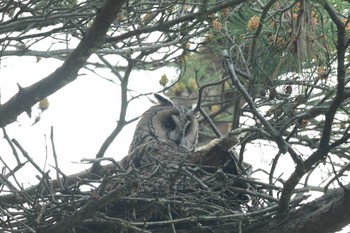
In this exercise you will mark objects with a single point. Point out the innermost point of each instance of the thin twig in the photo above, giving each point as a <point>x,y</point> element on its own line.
<point>338,174</point>
<point>7,138</point>
<point>26,155</point>
<point>282,145</point>
<point>199,102</point>
<point>55,158</point>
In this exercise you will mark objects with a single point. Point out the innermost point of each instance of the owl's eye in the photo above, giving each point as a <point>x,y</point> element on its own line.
<point>169,124</point>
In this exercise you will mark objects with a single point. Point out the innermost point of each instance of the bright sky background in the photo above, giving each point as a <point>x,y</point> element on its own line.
<point>82,114</point>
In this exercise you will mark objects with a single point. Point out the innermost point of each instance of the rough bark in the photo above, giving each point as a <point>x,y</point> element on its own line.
<point>328,213</point>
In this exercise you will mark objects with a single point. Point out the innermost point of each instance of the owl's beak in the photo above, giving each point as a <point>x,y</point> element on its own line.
<point>178,139</point>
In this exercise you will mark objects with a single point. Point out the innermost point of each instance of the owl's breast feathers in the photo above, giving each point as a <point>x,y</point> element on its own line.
<point>155,151</point>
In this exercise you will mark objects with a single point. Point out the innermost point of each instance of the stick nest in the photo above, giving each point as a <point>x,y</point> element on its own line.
<point>145,192</point>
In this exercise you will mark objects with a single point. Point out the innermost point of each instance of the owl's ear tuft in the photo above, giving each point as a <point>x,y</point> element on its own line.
<point>163,101</point>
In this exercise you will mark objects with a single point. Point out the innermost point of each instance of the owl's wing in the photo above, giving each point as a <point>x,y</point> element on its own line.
<point>218,153</point>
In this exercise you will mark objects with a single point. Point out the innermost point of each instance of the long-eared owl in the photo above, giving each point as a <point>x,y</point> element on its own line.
<point>167,122</point>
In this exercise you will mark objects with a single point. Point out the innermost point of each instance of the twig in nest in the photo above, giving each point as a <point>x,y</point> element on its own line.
<point>55,159</point>
<point>16,220</point>
<point>104,159</point>
<point>26,155</point>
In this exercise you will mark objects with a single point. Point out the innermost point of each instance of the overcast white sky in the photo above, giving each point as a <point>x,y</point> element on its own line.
<point>82,113</point>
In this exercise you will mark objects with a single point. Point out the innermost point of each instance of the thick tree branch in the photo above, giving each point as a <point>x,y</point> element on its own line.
<point>94,39</point>
<point>328,213</point>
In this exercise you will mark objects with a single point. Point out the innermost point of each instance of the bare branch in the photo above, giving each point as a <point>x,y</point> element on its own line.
<point>67,73</point>
<point>282,145</point>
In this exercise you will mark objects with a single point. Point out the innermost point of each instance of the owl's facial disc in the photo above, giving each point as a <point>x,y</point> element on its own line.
<point>176,125</point>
